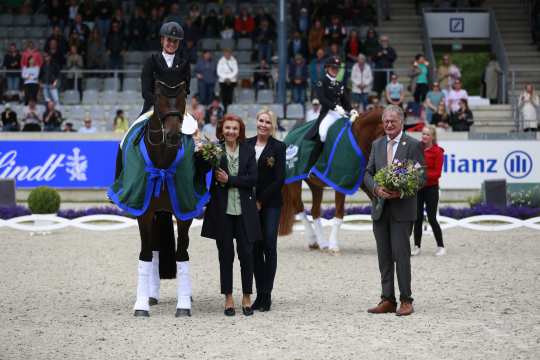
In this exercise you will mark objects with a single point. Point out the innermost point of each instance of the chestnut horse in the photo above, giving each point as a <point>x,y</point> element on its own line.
<point>366,128</point>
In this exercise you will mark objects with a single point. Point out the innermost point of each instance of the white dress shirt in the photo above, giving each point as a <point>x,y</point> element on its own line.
<point>169,58</point>
<point>397,139</point>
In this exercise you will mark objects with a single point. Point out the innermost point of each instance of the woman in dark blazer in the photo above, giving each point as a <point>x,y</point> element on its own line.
<point>232,211</point>
<point>270,155</point>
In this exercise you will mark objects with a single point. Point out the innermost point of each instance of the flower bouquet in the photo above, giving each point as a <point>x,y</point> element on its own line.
<point>402,176</point>
<point>212,153</point>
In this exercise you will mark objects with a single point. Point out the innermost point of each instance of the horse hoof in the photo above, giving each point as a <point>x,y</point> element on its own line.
<point>152,301</point>
<point>141,313</point>
<point>182,312</point>
<point>313,246</point>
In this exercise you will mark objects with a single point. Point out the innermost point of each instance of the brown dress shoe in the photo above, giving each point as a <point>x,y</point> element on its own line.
<point>385,306</point>
<point>405,309</point>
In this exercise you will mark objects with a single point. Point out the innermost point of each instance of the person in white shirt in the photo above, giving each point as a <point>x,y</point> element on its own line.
<point>209,130</point>
<point>362,80</point>
<point>315,111</point>
<point>87,128</point>
<point>30,75</point>
<point>455,95</point>
<point>227,71</point>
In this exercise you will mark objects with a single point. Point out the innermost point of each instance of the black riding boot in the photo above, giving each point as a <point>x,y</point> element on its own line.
<point>315,153</point>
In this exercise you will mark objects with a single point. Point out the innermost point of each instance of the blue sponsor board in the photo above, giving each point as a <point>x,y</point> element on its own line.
<point>59,164</point>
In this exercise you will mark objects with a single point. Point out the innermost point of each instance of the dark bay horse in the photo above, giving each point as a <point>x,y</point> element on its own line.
<point>163,139</point>
<point>366,128</point>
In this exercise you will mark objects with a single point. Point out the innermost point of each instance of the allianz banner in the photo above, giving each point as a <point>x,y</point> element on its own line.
<point>59,164</point>
<point>468,163</point>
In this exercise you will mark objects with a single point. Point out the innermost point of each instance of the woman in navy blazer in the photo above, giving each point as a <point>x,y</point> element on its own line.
<point>232,211</point>
<point>270,155</point>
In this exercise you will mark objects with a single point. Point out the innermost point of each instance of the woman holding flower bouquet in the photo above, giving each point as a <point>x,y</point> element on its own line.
<point>232,211</point>
<point>429,194</point>
<point>393,175</point>
<point>270,156</point>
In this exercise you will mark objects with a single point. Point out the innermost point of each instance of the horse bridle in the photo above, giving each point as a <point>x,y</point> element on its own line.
<point>171,93</point>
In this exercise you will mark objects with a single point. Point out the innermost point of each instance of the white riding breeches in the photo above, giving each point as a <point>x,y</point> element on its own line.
<point>326,122</point>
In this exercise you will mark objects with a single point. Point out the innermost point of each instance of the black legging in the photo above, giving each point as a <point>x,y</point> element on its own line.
<point>429,196</point>
<point>265,252</point>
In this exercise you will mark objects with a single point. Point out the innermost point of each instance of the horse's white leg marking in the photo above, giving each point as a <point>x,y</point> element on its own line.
<point>333,241</point>
<point>154,276</point>
<point>183,280</point>
<point>317,226</point>
<point>144,270</point>
<point>308,228</point>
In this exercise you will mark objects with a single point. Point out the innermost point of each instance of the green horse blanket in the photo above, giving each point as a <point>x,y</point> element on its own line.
<point>341,164</point>
<point>139,179</point>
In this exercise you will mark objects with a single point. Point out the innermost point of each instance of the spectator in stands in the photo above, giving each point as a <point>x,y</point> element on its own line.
<point>190,52</point>
<point>196,110</point>
<point>362,80</point>
<point>433,98</point>
<point>491,79</point>
<point>375,104</point>
<point>298,76</point>
<point>192,31</point>
<point>31,51</point>
<point>447,73</point>
<point>303,22</point>
<point>227,71</point>
<point>68,127</point>
<point>353,48</point>
<point>56,11</point>
<point>262,14</point>
<point>367,13</point>
<point>74,40</point>
<point>195,16</point>
<point>60,40</point>
<point>86,10</point>
<point>440,118</point>
<point>56,56</point>
<point>315,111</point>
<point>227,23</point>
<point>205,71</point>
<point>138,30</point>
<point>215,106</point>
<point>395,93</point>
<point>316,37</point>
<point>104,13</point>
<point>264,38</point>
<point>73,10</point>
<point>419,74</point>
<point>81,29</point>
<point>87,128</point>
<point>120,122</point>
<point>95,50</point>
<point>335,32</point>
<point>52,118</point>
<point>262,76</point>
<point>12,62</point>
<point>316,69</point>
<point>120,19</point>
<point>9,119</point>
<point>462,119</point>
<point>370,45</point>
<point>529,108</point>
<point>211,25</point>
<point>31,117</point>
<point>297,45</point>
<point>30,75</point>
<point>48,79</point>
<point>153,25</point>
<point>74,65</point>
<point>244,24</point>
<point>116,47</point>
<point>384,59</point>
<point>454,96</point>
<point>209,129</point>
<point>174,14</point>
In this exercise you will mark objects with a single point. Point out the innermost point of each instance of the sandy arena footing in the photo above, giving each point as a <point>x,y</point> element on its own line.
<point>69,295</point>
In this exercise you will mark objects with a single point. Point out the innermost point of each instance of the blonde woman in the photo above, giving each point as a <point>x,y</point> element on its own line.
<point>270,157</point>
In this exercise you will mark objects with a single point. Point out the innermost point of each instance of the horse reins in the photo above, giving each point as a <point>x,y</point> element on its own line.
<point>176,89</point>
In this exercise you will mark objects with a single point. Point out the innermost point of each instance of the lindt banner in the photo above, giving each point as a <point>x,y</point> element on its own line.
<point>59,164</point>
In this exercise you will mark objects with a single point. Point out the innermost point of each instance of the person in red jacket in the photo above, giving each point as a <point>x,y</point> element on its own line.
<point>429,194</point>
<point>244,24</point>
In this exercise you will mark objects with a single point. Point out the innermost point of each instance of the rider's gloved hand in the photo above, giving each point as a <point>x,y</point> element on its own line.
<point>353,115</point>
<point>339,110</point>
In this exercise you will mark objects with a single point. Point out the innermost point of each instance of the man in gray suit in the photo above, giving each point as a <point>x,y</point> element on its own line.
<point>393,215</point>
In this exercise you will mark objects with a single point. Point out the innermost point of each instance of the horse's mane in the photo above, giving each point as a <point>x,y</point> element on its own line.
<point>367,127</point>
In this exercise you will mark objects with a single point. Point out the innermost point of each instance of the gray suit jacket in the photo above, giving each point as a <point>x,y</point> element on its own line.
<point>408,149</point>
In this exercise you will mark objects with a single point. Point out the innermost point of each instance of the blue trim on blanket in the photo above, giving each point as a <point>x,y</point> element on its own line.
<point>296,178</point>
<point>333,151</point>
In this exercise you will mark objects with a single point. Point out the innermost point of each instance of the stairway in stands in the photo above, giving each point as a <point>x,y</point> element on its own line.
<point>512,19</point>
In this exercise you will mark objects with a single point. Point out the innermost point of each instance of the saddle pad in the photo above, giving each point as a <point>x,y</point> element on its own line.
<point>341,164</point>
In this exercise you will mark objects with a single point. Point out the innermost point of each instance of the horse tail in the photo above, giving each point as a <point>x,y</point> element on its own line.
<point>165,244</point>
<point>292,205</point>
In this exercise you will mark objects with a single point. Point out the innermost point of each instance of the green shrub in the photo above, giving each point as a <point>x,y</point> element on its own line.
<point>529,197</point>
<point>44,200</point>
<point>474,200</point>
